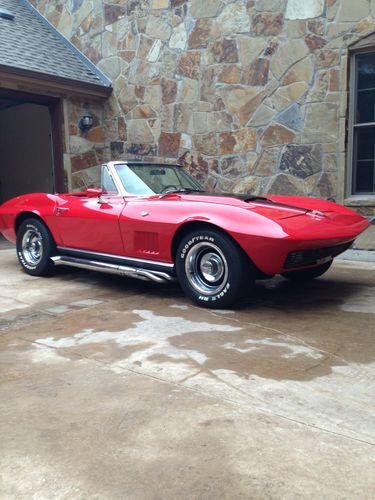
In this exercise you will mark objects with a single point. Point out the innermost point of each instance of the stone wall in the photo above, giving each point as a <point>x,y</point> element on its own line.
<point>248,95</point>
<point>84,152</point>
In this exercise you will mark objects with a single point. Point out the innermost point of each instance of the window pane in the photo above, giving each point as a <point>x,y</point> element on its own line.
<point>366,88</point>
<point>364,161</point>
<point>366,71</point>
<point>365,106</point>
<point>365,143</point>
<point>365,177</point>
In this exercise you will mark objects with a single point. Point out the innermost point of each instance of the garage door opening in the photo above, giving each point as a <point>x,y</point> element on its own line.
<point>30,146</point>
<point>26,164</point>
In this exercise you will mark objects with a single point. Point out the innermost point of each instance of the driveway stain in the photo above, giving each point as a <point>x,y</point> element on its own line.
<point>288,350</point>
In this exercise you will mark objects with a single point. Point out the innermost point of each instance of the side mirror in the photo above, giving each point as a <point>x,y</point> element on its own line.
<point>94,193</point>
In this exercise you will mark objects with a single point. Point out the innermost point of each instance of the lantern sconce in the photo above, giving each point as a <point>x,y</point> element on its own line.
<point>86,122</point>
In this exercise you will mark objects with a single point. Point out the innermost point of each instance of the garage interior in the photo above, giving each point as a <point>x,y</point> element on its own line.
<point>30,145</point>
<point>26,160</point>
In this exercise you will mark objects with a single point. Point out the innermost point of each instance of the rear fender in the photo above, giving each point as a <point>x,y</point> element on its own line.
<point>14,211</point>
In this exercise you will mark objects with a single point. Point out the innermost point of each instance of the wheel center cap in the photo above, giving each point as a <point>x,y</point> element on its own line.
<point>211,267</point>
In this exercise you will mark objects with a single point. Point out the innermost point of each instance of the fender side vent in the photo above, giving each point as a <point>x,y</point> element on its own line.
<point>146,242</point>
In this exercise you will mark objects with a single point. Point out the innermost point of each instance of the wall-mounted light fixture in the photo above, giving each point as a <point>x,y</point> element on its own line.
<point>86,122</point>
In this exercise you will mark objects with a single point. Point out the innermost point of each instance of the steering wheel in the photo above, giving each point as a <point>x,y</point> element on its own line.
<point>170,187</point>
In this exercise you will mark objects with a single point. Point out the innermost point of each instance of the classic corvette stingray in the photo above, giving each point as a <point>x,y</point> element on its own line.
<point>154,222</point>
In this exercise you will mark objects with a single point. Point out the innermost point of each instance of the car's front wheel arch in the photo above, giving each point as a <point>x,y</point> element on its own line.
<point>192,226</point>
<point>24,216</point>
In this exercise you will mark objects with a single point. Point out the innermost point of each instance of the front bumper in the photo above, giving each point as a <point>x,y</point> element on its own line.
<point>314,257</point>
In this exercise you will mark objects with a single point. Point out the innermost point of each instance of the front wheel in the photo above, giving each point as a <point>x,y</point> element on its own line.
<point>211,269</point>
<point>308,274</point>
<point>35,246</point>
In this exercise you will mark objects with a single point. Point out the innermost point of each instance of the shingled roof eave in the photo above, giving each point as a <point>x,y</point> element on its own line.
<point>61,84</point>
<point>105,82</point>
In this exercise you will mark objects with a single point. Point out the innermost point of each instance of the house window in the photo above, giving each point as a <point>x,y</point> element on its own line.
<point>363,124</point>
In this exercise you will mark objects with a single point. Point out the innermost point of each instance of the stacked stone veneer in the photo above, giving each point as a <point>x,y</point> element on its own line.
<point>248,95</point>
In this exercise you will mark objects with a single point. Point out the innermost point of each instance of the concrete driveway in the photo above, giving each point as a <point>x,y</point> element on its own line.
<point>113,389</point>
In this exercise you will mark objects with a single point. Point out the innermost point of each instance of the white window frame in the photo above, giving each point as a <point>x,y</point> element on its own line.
<point>361,199</point>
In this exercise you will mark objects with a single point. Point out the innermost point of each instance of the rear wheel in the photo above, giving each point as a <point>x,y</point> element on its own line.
<point>308,274</point>
<point>212,270</point>
<point>35,246</point>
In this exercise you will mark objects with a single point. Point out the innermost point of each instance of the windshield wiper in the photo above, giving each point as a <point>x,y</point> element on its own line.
<point>181,190</point>
<point>190,190</point>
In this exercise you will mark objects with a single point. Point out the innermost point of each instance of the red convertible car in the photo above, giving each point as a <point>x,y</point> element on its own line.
<point>154,222</point>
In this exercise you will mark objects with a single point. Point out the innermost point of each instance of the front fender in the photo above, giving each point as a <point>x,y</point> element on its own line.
<point>267,241</point>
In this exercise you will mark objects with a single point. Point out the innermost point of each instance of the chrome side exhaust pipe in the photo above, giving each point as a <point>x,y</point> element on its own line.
<point>104,267</point>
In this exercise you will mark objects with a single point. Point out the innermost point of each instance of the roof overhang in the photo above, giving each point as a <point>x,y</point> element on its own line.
<point>33,81</point>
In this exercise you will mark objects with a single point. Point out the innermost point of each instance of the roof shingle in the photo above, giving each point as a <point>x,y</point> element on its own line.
<point>31,43</point>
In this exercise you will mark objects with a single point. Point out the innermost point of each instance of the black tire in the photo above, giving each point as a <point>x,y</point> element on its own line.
<point>308,274</point>
<point>35,246</point>
<point>211,269</point>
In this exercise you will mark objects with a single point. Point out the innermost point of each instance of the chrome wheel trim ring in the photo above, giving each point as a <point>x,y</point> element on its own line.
<point>32,247</point>
<point>206,268</point>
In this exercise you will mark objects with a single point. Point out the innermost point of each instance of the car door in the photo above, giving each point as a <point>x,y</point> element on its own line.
<point>147,226</point>
<point>92,223</point>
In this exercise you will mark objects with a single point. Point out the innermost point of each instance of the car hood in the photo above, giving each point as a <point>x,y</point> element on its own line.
<point>277,207</point>
<point>273,207</point>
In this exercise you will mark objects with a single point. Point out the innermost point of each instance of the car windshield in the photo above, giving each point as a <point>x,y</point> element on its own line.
<point>155,179</point>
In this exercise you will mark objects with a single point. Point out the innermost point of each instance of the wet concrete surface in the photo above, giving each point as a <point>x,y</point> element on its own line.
<point>113,388</point>
<point>366,241</point>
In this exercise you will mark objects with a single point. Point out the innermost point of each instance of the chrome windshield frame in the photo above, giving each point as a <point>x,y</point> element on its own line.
<point>118,185</point>
<point>111,165</point>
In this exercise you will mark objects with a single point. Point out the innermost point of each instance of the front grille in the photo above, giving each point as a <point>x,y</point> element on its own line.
<point>310,257</point>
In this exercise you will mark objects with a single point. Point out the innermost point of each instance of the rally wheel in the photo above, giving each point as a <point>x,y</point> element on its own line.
<point>212,269</point>
<point>35,246</point>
